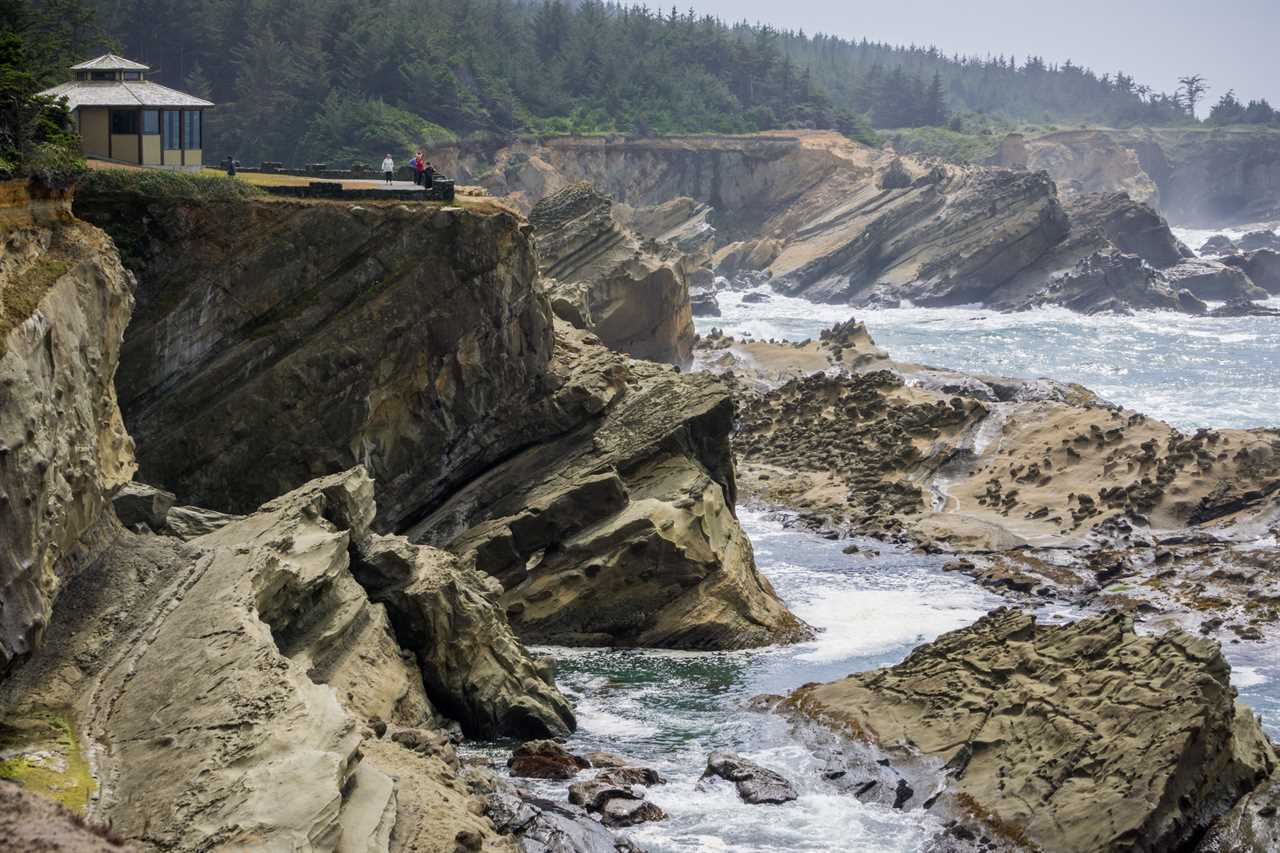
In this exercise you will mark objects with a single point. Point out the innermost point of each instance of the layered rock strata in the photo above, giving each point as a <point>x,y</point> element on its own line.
<point>419,343</point>
<point>633,294</point>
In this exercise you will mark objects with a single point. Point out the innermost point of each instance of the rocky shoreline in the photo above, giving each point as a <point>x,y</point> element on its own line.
<point>366,454</point>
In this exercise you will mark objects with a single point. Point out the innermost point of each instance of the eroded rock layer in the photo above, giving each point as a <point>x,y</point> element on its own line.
<point>1074,738</point>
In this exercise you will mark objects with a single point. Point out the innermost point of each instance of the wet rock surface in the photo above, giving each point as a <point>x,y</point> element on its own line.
<point>545,759</point>
<point>1051,734</point>
<point>756,785</point>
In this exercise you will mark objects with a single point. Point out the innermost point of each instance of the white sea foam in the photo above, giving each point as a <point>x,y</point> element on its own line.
<point>1247,676</point>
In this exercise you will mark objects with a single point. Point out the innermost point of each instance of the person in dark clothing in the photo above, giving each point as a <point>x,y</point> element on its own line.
<point>429,175</point>
<point>231,166</point>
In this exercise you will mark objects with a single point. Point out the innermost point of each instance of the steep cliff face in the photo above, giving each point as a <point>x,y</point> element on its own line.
<point>64,303</point>
<point>632,293</point>
<point>418,342</point>
<point>1206,177</point>
<point>275,342</point>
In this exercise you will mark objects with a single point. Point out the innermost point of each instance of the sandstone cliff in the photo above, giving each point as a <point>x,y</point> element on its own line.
<point>64,303</point>
<point>1200,177</point>
<point>419,343</point>
<point>1079,738</point>
<point>633,294</point>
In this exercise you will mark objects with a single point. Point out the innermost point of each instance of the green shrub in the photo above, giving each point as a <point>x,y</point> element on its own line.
<point>55,165</point>
<point>155,183</point>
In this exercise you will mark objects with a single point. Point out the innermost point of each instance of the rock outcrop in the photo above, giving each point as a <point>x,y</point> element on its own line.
<point>419,343</point>
<point>1262,267</point>
<point>632,294</point>
<point>621,532</point>
<point>1213,280</point>
<point>64,303</point>
<point>1081,161</point>
<point>1079,737</point>
<point>212,673</point>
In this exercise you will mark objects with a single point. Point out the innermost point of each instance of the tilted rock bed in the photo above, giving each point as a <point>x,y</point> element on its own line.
<point>418,342</point>
<point>604,278</point>
<point>1079,737</point>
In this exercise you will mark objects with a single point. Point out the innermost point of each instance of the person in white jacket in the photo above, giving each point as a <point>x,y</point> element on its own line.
<point>388,168</point>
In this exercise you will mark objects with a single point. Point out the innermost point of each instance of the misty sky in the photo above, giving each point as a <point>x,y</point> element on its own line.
<point>1234,43</point>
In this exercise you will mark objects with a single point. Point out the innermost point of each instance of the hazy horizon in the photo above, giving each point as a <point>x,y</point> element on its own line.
<point>1156,42</point>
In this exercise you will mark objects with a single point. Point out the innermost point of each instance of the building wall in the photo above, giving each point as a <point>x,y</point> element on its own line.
<point>93,132</point>
<point>124,146</point>
<point>173,157</point>
<point>195,157</point>
<point>151,154</point>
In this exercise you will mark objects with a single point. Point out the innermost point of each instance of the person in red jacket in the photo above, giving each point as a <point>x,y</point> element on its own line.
<point>419,164</point>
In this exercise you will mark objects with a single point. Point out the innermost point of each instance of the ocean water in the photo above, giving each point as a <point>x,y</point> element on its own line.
<point>1190,371</point>
<point>669,710</point>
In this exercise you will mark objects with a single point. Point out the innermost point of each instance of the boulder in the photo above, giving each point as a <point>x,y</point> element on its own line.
<point>756,785</point>
<point>1255,240</point>
<point>704,304</point>
<point>1077,737</point>
<point>138,504</point>
<point>1213,280</point>
<point>1219,244</point>
<point>628,811</point>
<point>896,177</point>
<point>543,826</point>
<point>545,759</point>
<point>190,522</point>
<point>1262,267</point>
<point>632,293</point>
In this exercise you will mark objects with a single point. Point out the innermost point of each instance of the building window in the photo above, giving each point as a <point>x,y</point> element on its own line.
<point>124,122</point>
<point>151,121</point>
<point>82,75</point>
<point>191,130</point>
<point>172,130</point>
<point>133,75</point>
<point>102,75</point>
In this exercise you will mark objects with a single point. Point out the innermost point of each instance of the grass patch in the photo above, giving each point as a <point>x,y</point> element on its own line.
<point>19,300</point>
<point>956,146</point>
<point>161,184</point>
<point>42,754</point>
